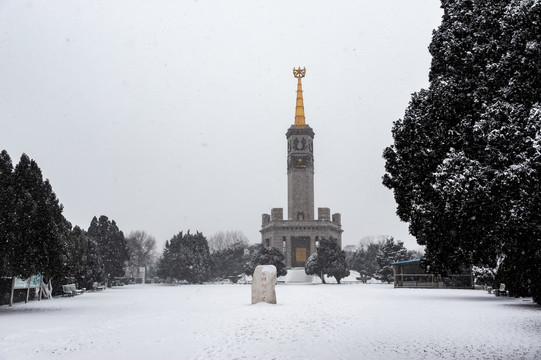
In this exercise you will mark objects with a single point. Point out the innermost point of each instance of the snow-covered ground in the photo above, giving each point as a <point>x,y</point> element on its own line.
<point>355,321</point>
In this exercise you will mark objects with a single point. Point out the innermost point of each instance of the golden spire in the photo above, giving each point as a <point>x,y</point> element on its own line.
<point>299,110</point>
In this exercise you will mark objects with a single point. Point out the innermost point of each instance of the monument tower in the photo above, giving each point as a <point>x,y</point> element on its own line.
<point>298,236</point>
<point>300,161</point>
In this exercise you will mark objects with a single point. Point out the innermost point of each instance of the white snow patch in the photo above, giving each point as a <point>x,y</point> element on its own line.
<point>309,322</point>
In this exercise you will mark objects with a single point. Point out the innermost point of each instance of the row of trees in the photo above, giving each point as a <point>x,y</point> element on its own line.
<point>465,165</point>
<point>33,232</point>
<point>36,237</point>
<point>188,257</point>
<point>374,259</point>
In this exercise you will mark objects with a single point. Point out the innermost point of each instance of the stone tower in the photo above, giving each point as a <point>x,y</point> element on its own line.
<point>300,162</point>
<point>298,236</point>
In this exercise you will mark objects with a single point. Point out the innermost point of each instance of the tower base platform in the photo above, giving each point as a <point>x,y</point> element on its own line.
<point>296,276</point>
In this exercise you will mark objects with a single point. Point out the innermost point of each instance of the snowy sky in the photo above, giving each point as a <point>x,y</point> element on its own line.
<point>171,115</point>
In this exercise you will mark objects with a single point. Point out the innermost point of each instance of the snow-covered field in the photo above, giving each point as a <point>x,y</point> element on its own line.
<point>310,322</point>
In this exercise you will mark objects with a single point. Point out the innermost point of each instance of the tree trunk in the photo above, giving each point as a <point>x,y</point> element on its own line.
<point>322,278</point>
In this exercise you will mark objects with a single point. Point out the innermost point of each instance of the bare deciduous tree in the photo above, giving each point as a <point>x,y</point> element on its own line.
<point>142,247</point>
<point>223,240</point>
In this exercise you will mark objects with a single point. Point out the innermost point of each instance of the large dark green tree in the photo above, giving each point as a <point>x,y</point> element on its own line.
<point>465,166</point>
<point>111,244</point>
<point>229,261</point>
<point>229,251</point>
<point>33,231</point>
<point>7,203</point>
<point>84,262</point>
<point>390,251</point>
<point>266,256</point>
<point>186,257</point>
<point>364,259</point>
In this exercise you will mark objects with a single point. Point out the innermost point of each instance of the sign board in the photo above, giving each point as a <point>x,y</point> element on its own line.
<point>33,281</point>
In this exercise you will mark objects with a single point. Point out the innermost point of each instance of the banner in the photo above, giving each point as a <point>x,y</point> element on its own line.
<point>33,281</point>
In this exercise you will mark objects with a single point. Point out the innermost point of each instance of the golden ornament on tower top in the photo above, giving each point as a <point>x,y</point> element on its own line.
<point>299,73</point>
<point>300,122</point>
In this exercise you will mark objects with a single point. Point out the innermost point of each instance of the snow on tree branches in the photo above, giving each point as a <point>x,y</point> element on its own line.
<point>329,260</point>
<point>465,166</point>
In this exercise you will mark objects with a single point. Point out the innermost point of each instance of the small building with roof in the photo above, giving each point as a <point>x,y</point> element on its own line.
<point>410,274</point>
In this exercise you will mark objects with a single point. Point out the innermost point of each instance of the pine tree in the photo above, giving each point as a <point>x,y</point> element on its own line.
<point>390,252</point>
<point>84,261</point>
<point>314,266</point>
<point>364,260</point>
<point>330,260</point>
<point>186,257</point>
<point>38,229</point>
<point>111,244</point>
<point>7,199</point>
<point>228,261</point>
<point>266,256</point>
<point>465,166</point>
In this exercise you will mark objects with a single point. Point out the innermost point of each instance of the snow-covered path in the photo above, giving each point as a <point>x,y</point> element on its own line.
<point>309,322</point>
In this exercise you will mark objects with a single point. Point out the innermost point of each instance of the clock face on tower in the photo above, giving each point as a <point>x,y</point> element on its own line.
<point>299,161</point>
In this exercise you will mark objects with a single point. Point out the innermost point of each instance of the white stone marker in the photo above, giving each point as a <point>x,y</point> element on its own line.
<point>263,284</point>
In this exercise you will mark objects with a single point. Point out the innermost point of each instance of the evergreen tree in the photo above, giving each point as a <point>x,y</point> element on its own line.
<point>75,251</point>
<point>228,261</point>
<point>7,203</point>
<point>314,266</point>
<point>390,252</point>
<point>186,257</point>
<point>330,260</point>
<point>112,247</point>
<point>162,268</point>
<point>84,260</point>
<point>38,230</point>
<point>465,166</point>
<point>364,260</point>
<point>266,256</point>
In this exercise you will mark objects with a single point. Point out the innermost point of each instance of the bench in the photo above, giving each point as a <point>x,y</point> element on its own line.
<point>501,291</point>
<point>96,286</point>
<point>117,283</point>
<point>70,290</point>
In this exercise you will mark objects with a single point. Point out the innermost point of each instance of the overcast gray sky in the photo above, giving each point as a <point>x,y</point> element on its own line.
<point>171,115</point>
